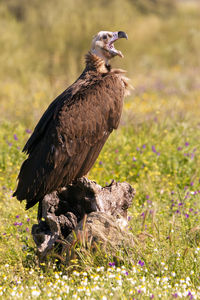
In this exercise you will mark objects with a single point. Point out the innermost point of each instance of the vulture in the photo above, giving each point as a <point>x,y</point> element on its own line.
<point>71,133</point>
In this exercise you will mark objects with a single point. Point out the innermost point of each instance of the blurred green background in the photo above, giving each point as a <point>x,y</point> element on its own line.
<point>43,43</point>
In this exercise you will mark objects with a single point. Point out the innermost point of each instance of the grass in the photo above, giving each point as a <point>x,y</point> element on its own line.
<point>156,149</point>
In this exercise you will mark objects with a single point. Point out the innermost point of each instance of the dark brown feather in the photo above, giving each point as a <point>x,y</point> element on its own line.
<point>70,135</point>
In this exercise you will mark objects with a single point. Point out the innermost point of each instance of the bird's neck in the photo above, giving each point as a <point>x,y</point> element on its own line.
<point>96,63</point>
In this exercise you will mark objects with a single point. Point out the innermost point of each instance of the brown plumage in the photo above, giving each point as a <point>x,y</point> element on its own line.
<point>70,135</point>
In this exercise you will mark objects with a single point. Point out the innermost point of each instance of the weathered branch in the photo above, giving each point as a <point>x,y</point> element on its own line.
<point>61,213</point>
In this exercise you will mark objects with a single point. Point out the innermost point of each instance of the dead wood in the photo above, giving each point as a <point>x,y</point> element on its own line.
<point>62,212</point>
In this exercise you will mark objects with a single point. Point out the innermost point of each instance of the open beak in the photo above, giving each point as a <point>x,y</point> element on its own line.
<point>116,35</point>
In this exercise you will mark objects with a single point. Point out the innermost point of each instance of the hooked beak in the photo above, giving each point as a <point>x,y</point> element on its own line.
<point>122,34</point>
<point>116,35</point>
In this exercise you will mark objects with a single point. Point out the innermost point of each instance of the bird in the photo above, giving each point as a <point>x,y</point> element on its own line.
<point>72,131</point>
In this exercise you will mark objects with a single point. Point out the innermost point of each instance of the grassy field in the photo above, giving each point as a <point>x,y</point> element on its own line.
<point>156,148</point>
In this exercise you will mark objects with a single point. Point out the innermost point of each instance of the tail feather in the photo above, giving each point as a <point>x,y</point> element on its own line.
<point>31,203</point>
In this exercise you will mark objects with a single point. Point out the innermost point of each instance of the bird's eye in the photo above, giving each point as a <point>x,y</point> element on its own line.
<point>104,36</point>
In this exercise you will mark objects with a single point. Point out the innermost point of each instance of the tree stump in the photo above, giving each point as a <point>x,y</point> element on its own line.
<point>84,205</point>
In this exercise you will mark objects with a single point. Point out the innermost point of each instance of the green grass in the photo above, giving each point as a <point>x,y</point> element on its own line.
<point>156,149</point>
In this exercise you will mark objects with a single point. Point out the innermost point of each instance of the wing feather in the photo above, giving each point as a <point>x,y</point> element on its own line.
<point>45,120</point>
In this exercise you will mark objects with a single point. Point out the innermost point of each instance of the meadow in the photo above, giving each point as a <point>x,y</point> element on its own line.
<point>156,148</point>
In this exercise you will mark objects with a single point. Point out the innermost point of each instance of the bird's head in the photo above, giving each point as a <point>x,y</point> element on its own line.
<point>103,44</point>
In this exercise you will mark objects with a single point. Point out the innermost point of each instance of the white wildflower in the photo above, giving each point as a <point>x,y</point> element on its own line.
<point>157,279</point>
<point>35,293</point>
<point>98,269</point>
<point>110,270</point>
<point>165,279</point>
<point>33,287</point>
<point>187,279</point>
<point>66,287</point>
<point>134,269</point>
<point>143,289</point>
